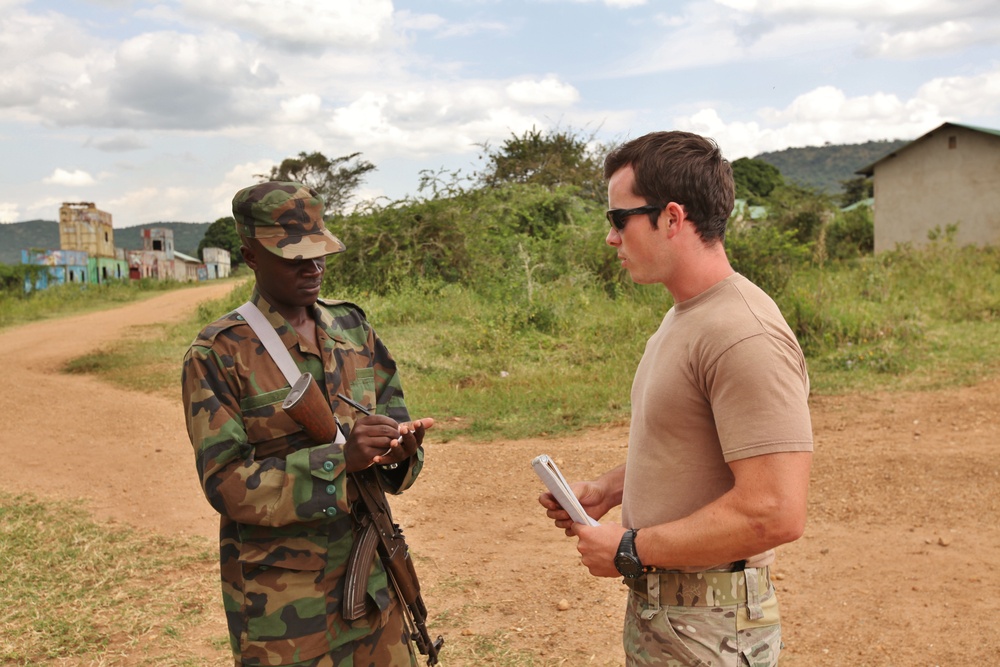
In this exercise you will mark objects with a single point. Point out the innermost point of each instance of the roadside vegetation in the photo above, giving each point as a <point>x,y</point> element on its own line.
<point>19,307</point>
<point>509,317</point>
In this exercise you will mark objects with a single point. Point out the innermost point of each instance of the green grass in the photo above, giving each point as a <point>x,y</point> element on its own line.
<point>70,299</point>
<point>490,364</point>
<point>71,588</point>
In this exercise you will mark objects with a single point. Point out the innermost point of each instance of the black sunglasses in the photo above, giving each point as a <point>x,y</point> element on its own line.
<point>619,216</point>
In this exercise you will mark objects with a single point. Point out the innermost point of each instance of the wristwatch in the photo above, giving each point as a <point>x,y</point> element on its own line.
<point>627,560</point>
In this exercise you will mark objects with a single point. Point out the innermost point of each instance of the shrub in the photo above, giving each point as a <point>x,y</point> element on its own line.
<point>851,234</point>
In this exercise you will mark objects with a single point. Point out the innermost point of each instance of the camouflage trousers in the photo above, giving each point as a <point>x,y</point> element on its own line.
<point>704,619</point>
<point>388,646</point>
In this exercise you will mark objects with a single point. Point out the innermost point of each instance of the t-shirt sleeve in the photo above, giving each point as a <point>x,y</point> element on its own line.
<point>759,393</point>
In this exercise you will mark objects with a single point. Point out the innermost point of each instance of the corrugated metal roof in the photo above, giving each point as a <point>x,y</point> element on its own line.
<point>870,169</point>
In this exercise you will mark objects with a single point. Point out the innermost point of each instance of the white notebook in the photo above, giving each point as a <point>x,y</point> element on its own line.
<point>548,471</point>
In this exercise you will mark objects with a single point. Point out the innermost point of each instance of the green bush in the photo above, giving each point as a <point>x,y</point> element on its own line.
<point>851,234</point>
<point>508,235</point>
<point>766,255</point>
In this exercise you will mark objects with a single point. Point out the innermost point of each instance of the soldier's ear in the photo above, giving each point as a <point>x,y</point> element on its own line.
<point>249,256</point>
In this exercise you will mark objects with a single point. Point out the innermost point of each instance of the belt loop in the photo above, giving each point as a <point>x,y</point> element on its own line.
<point>752,581</point>
<point>653,597</point>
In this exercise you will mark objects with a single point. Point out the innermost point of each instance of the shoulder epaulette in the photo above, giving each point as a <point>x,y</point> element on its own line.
<point>207,335</point>
<point>337,303</point>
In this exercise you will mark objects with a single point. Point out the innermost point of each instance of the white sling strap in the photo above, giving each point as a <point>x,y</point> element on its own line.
<point>271,341</point>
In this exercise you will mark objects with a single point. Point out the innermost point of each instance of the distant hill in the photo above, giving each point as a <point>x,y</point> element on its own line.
<point>18,236</point>
<point>824,167</point>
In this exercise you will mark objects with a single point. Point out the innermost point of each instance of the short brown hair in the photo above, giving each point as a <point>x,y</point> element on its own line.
<point>680,167</point>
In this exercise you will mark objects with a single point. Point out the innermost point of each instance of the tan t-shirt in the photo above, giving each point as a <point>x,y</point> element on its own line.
<point>722,379</point>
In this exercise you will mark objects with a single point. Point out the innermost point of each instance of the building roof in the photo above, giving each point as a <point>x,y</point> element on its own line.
<point>186,258</point>
<point>870,169</point>
<point>869,202</point>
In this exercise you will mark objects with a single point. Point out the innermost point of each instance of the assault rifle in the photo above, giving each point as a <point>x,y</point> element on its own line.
<point>377,532</point>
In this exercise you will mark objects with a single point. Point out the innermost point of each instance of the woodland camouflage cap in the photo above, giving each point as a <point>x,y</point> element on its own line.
<point>287,219</point>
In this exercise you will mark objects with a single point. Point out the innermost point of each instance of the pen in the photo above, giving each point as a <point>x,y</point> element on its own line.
<point>354,404</point>
<point>360,408</point>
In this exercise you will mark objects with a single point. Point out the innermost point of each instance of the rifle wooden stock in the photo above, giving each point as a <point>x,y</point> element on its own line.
<point>306,404</point>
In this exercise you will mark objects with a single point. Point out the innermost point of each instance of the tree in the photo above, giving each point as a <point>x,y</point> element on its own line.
<point>550,159</point>
<point>755,180</point>
<point>335,179</point>
<point>856,189</point>
<point>222,234</point>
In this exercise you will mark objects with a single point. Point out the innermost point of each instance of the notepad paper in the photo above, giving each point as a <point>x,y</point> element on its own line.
<point>548,472</point>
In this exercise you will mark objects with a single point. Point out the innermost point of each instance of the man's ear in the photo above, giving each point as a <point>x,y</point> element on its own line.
<point>675,214</point>
<point>249,256</point>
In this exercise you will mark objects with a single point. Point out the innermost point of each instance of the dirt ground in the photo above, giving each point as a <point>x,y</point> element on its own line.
<point>896,566</point>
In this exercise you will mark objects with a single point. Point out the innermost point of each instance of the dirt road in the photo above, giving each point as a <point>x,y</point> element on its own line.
<point>896,566</point>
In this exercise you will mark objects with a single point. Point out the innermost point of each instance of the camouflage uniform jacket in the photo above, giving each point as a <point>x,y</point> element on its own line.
<point>286,528</point>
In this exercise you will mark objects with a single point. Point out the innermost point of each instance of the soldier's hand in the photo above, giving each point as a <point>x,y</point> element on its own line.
<point>372,437</point>
<point>411,435</point>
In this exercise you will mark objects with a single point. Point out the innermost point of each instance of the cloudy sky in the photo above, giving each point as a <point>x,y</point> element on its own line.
<point>161,109</point>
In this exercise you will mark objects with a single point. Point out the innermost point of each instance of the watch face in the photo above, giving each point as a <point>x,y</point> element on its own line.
<point>628,566</point>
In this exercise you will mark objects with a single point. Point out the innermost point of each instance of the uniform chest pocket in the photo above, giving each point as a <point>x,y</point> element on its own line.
<point>265,422</point>
<point>363,386</point>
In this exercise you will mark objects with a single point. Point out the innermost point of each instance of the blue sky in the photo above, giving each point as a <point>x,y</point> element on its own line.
<point>161,109</point>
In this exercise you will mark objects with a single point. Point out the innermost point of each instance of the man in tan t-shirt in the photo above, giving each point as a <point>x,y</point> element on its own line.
<point>721,440</point>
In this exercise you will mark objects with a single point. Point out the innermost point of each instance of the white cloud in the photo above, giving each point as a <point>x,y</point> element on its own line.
<point>174,80</point>
<point>617,4</point>
<point>165,203</point>
<point>74,179</point>
<point>8,212</point>
<point>220,197</point>
<point>407,20</point>
<point>440,119</point>
<point>859,9</point>
<point>823,115</point>
<point>301,108</point>
<point>547,92</point>
<point>42,57</point>
<point>917,43</point>
<point>964,96</point>
<point>300,24</point>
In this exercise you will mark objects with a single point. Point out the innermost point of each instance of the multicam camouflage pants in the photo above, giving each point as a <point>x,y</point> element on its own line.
<point>702,620</point>
<point>388,646</point>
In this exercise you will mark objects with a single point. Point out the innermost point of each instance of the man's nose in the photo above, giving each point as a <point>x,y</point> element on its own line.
<point>613,238</point>
<point>317,265</point>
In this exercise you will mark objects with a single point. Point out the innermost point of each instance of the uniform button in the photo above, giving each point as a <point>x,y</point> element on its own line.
<point>331,489</point>
<point>330,511</point>
<point>328,466</point>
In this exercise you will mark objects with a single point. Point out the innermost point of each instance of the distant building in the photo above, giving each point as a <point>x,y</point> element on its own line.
<point>64,266</point>
<point>949,176</point>
<point>88,253</point>
<point>160,261</point>
<point>217,262</point>
<point>189,268</point>
<point>85,228</point>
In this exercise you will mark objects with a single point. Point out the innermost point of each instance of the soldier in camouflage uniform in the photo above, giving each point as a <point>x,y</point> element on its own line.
<point>285,504</point>
<point>720,442</point>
